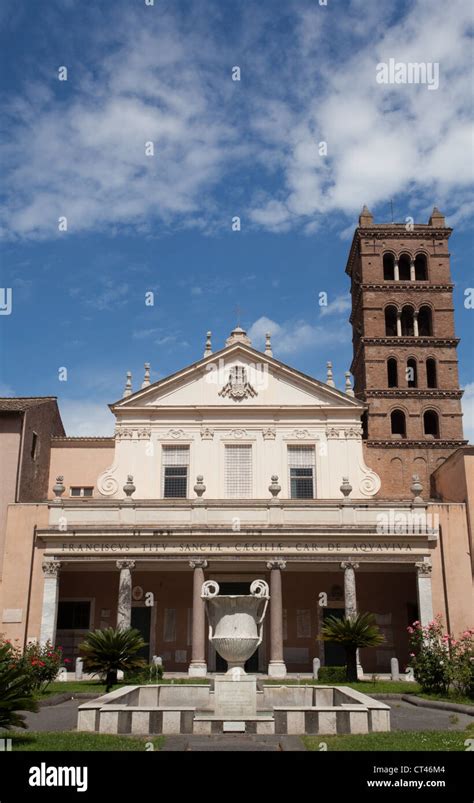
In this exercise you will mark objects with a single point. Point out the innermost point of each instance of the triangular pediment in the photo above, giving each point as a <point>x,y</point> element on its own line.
<point>238,377</point>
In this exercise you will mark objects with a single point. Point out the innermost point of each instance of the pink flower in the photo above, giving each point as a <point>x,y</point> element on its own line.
<point>410,630</point>
<point>412,655</point>
<point>67,660</point>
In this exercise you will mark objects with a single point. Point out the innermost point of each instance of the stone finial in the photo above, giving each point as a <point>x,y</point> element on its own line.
<point>146,378</point>
<point>58,488</point>
<point>348,389</point>
<point>437,219</point>
<point>345,488</point>
<point>268,345</point>
<point>129,487</point>
<point>238,335</point>
<point>275,486</point>
<point>416,489</point>
<point>128,385</point>
<point>366,217</point>
<point>208,347</point>
<point>199,488</point>
<point>329,376</point>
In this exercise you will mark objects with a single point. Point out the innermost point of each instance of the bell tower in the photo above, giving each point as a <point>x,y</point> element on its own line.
<point>404,348</point>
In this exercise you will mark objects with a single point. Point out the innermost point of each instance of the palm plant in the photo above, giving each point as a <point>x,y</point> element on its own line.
<point>107,651</point>
<point>352,633</point>
<point>15,689</point>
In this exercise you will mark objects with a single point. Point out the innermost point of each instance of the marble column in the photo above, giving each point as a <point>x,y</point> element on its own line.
<point>49,615</point>
<point>415,324</point>
<point>198,666</point>
<point>399,323</point>
<point>350,599</point>
<point>423,587</point>
<point>276,667</point>
<point>396,271</point>
<point>412,270</point>
<point>124,604</point>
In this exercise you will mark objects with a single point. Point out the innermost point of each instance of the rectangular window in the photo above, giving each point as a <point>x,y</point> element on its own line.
<point>175,471</point>
<point>77,490</point>
<point>74,615</point>
<point>238,472</point>
<point>34,446</point>
<point>301,465</point>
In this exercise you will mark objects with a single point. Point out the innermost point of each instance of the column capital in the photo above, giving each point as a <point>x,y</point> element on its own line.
<point>198,564</point>
<point>125,564</point>
<point>51,568</point>
<point>349,564</point>
<point>423,569</point>
<point>278,563</point>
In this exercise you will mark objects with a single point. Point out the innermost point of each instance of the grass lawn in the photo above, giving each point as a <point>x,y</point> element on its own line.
<point>58,742</point>
<point>95,687</point>
<point>403,741</point>
<point>462,699</point>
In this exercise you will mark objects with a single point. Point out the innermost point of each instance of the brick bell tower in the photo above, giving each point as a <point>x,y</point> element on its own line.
<point>405,363</point>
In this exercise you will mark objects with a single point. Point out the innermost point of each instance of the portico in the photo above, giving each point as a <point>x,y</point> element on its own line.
<point>311,574</point>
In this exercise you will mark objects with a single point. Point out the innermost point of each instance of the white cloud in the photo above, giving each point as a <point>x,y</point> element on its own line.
<point>383,141</point>
<point>292,337</point>
<point>468,410</point>
<point>164,83</point>
<point>82,417</point>
<point>85,158</point>
<point>338,306</point>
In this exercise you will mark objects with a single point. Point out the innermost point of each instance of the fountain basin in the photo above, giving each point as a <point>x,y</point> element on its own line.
<point>190,709</point>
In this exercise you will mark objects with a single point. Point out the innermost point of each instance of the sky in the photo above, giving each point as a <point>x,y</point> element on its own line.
<point>121,184</point>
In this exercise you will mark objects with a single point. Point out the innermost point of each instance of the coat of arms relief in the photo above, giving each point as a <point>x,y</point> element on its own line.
<point>238,387</point>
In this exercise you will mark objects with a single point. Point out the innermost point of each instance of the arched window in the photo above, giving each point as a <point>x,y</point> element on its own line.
<point>411,373</point>
<point>431,379</point>
<point>407,322</point>
<point>425,322</point>
<point>365,426</point>
<point>398,425</point>
<point>421,271</point>
<point>431,424</point>
<point>404,268</point>
<point>392,373</point>
<point>391,321</point>
<point>388,267</point>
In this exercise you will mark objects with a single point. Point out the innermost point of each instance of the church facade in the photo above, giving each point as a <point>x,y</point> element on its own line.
<point>240,467</point>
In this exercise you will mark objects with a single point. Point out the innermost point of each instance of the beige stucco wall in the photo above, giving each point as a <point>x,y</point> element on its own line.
<point>15,590</point>
<point>453,595</point>
<point>10,438</point>
<point>80,464</point>
<point>454,482</point>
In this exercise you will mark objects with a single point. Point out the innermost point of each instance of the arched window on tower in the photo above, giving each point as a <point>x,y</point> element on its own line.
<point>411,373</point>
<point>388,267</point>
<point>404,268</point>
<point>392,373</point>
<point>421,268</point>
<point>398,424</point>
<point>431,424</point>
<point>408,329</point>
<point>365,425</point>
<point>431,379</point>
<point>391,321</point>
<point>425,322</point>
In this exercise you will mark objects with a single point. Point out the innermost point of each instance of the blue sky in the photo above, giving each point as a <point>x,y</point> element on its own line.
<point>222,148</point>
